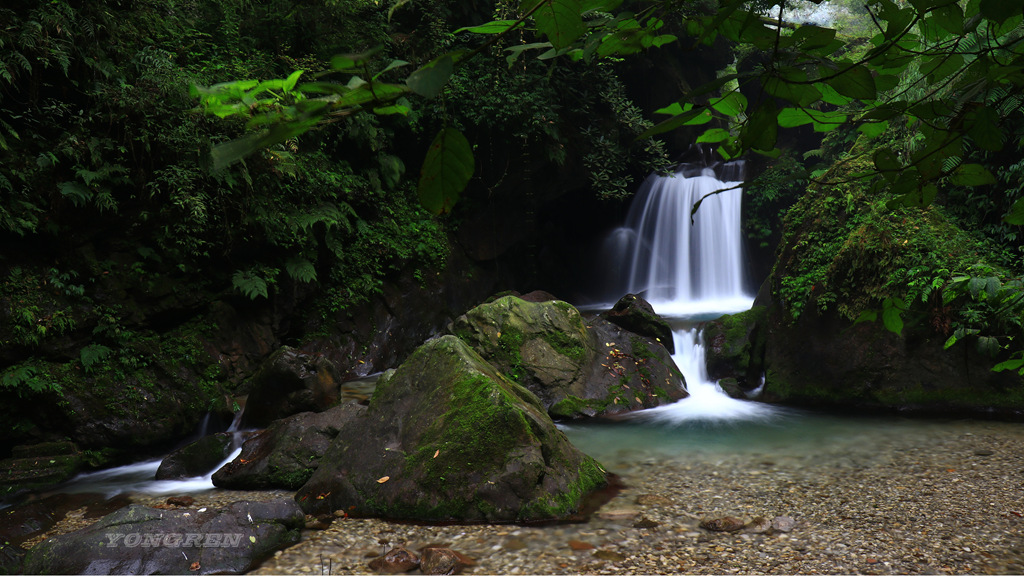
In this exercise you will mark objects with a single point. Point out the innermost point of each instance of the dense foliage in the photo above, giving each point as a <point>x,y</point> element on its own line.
<point>119,227</point>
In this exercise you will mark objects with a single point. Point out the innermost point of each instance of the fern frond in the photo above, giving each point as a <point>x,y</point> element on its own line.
<point>250,284</point>
<point>301,269</point>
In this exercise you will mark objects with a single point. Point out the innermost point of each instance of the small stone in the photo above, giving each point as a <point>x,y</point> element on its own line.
<point>609,555</point>
<point>783,523</point>
<point>620,514</point>
<point>580,545</point>
<point>758,525</point>
<point>395,561</point>
<point>724,524</point>
<point>443,561</point>
<point>983,452</point>
<point>644,522</point>
<point>182,501</point>
<point>653,500</point>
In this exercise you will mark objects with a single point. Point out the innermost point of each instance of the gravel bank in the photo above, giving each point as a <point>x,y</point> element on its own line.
<point>945,500</point>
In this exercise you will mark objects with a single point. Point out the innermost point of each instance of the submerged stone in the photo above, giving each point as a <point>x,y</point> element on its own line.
<point>448,438</point>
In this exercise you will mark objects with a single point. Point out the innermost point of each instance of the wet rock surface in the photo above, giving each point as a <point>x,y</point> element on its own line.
<point>285,454</point>
<point>144,540</point>
<point>197,458</point>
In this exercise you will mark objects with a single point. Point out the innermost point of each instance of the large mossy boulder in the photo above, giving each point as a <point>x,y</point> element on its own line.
<point>143,540</point>
<point>577,366</point>
<point>285,454</point>
<point>449,438</point>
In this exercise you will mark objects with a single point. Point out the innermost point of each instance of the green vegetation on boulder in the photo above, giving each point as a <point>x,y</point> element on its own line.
<point>449,438</point>
<point>849,255</point>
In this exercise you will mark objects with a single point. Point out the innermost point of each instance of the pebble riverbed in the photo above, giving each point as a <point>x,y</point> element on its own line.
<point>946,498</point>
<point>931,498</point>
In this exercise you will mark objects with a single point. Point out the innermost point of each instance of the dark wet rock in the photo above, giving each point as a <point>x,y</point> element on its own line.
<point>436,560</point>
<point>637,315</point>
<point>448,437</point>
<point>12,557</point>
<point>38,466</point>
<point>732,388</point>
<point>538,296</point>
<point>181,501</point>
<point>286,454</point>
<point>289,382</point>
<point>395,561</point>
<point>196,459</point>
<point>577,366</point>
<point>783,524</point>
<point>724,524</point>
<point>143,540</point>
<point>734,346</point>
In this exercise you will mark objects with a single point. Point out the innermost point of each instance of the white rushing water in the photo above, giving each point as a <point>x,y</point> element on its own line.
<point>690,267</point>
<point>139,476</point>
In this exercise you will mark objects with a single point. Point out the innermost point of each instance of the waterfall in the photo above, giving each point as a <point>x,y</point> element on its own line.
<point>690,267</point>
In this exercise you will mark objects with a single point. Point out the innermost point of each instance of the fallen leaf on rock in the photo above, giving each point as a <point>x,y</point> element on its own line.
<point>383,479</point>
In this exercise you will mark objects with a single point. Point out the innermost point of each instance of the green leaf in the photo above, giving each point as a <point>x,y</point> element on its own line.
<point>892,315</point>
<point>973,175</point>
<point>873,129</point>
<point>446,171</point>
<point>1016,214</point>
<point>732,104</point>
<point>887,164</point>
<point>714,135</point>
<point>558,20</point>
<point>854,81</point>
<point>1013,364</point>
<point>988,345</point>
<point>950,17</point>
<point>983,128</point>
<point>809,36</point>
<point>762,127</point>
<point>1000,10</point>
<point>289,82</point>
<point>430,79</point>
<point>495,27</point>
